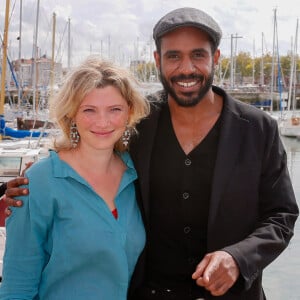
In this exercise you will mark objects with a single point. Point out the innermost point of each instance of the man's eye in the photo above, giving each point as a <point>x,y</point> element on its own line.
<point>173,56</point>
<point>198,55</point>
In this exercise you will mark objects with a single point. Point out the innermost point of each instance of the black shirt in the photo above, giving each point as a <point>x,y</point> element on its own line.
<point>180,190</point>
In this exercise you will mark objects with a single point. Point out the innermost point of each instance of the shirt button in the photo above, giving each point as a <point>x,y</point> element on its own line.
<point>185,195</point>
<point>187,229</point>
<point>187,162</point>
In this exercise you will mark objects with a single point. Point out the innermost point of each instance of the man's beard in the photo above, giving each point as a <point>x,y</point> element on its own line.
<point>188,100</point>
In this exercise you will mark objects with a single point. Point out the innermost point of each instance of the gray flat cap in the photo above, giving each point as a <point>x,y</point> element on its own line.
<point>188,16</point>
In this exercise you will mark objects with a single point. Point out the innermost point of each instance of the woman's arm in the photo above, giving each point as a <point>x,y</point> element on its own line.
<point>24,257</point>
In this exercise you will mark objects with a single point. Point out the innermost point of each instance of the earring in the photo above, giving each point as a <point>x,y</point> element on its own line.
<point>126,136</point>
<point>74,135</point>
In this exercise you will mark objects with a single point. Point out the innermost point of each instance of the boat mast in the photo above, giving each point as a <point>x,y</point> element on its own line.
<point>253,63</point>
<point>262,61</point>
<point>273,59</point>
<point>52,74</point>
<point>233,59</point>
<point>280,77</point>
<point>69,44</point>
<point>35,59</point>
<point>295,69</point>
<point>4,59</point>
<point>20,46</point>
<point>231,63</point>
<point>3,74</point>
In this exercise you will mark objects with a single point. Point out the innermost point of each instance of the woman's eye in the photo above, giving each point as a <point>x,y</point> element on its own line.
<point>116,109</point>
<point>88,110</point>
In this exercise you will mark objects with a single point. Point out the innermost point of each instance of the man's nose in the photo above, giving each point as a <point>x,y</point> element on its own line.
<point>187,66</point>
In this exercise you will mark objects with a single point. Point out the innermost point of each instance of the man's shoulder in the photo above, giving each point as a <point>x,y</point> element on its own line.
<point>157,97</point>
<point>256,118</point>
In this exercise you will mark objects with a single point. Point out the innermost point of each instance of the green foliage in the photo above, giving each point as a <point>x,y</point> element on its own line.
<point>244,64</point>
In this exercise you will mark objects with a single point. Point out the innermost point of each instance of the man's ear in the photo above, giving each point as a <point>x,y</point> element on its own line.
<point>217,56</point>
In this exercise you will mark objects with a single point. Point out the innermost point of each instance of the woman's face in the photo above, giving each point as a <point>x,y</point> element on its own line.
<point>101,118</point>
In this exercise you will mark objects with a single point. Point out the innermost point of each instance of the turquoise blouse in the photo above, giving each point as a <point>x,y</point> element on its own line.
<point>65,244</point>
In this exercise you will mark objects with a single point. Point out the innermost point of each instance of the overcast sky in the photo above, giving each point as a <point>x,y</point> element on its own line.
<point>121,29</point>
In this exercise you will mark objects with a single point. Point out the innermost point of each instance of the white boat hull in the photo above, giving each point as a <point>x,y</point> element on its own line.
<point>290,127</point>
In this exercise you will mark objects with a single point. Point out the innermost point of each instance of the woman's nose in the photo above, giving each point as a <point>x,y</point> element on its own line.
<point>102,119</point>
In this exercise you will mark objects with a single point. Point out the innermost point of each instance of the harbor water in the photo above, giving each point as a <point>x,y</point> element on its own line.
<point>282,277</point>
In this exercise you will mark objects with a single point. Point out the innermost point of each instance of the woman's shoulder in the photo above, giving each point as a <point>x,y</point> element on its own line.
<point>42,166</point>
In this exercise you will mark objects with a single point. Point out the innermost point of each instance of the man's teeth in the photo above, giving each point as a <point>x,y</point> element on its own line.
<point>187,84</point>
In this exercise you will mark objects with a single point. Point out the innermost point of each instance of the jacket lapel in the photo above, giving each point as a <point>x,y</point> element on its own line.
<point>231,138</point>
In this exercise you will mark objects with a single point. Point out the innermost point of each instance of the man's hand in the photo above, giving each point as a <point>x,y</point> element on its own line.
<point>13,190</point>
<point>217,272</point>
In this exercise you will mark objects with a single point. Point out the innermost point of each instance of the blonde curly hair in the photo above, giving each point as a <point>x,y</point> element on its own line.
<point>92,73</point>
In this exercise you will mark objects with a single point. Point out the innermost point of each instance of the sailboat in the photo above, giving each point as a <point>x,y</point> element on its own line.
<point>290,125</point>
<point>5,131</point>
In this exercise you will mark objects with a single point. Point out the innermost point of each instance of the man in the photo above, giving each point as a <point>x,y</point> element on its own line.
<point>216,195</point>
<point>3,187</point>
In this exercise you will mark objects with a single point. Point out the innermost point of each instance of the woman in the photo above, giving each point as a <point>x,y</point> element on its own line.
<point>80,232</point>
